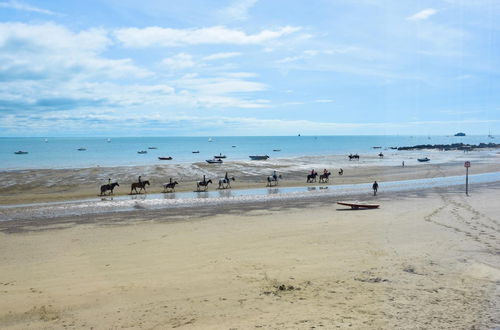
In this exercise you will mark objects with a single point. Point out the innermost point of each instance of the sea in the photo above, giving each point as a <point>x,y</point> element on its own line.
<point>63,152</point>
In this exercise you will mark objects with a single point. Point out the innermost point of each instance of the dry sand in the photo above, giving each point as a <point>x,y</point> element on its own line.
<point>419,262</point>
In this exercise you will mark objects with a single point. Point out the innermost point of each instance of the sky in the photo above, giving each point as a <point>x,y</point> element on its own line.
<point>249,67</point>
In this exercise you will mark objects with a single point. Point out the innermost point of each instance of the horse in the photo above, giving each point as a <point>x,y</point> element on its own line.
<point>324,177</point>
<point>312,177</point>
<point>225,183</point>
<point>110,187</point>
<point>341,172</point>
<point>169,186</point>
<point>203,184</point>
<point>141,185</point>
<point>273,180</point>
<point>351,156</point>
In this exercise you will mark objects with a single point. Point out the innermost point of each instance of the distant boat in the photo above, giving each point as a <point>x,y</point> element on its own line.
<point>377,147</point>
<point>20,152</point>
<point>165,158</point>
<point>258,157</point>
<point>195,152</point>
<point>220,156</point>
<point>276,150</point>
<point>108,140</point>
<point>142,152</point>
<point>152,148</point>
<point>423,159</point>
<point>209,139</point>
<point>214,161</point>
<point>46,140</point>
<point>394,148</point>
<point>460,134</point>
<point>81,149</point>
<point>233,146</point>
<point>490,136</point>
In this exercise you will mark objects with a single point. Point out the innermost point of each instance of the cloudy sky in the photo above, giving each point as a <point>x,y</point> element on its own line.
<point>249,67</point>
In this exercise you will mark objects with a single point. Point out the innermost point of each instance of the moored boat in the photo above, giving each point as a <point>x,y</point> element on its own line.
<point>220,156</point>
<point>142,152</point>
<point>165,158</point>
<point>259,157</point>
<point>81,149</point>
<point>423,159</point>
<point>195,152</point>
<point>214,161</point>
<point>20,152</point>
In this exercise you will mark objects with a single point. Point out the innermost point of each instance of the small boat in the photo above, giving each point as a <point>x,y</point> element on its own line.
<point>195,152</point>
<point>151,148</point>
<point>423,159</point>
<point>257,157</point>
<point>20,152</point>
<point>214,161</point>
<point>220,156</point>
<point>209,139</point>
<point>81,149</point>
<point>165,158</point>
<point>377,147</point>
<point>108,140</point>
<point>233,146</point>
<point>359,205</point>
<point>46,140</point>
<point>142,152</point>
<point>276,150</point>
<point>394,148</point>
<point>460,134</point>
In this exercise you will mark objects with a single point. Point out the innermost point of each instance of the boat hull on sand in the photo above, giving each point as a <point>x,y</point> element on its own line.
<point>358,205</point>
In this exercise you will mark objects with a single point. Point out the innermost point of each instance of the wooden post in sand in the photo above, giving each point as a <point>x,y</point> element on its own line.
<point>467,165</point>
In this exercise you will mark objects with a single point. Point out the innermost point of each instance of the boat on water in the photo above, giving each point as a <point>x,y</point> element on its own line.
<point>377,147</point>
<point>20,152</point>
<point>142,152</point>
<point>220,156</point>
<point>276,150</point>
<point>108,140</point>
<point>81,149</point>
<point>460,134</point>
<point>210,140</point>
<point>259,157</point>
<point>214,161</point>
<point>151,148</point>
<point>195,152</point>
<point>425,159</point>
<point>359,205</point>
<point>233,146</point>
<point>165,158</point>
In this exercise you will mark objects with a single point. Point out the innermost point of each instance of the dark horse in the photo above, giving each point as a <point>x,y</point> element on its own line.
<point>110,187</point>
<point>141,185</point>
<point>169,186</point>
<point>324,177</point>
<point>203,184</point>
<point>312,177</point>
<point>351,156</point>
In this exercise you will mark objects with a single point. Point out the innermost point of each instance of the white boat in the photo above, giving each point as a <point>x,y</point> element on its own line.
<point>209,139</point>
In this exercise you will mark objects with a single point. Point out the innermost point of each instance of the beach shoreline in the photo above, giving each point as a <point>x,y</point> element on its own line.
<point>425,259</point>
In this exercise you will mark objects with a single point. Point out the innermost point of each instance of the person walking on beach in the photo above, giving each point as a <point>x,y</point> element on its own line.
<point>375,188</point>
<point>403,163</point>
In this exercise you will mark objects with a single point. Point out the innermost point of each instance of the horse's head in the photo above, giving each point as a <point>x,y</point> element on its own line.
<point>175,182</point>
<point>146,182</point>
<point>280,177</point>
<point>209,181</point>
<point>116,184</point>
<point>233,178</point>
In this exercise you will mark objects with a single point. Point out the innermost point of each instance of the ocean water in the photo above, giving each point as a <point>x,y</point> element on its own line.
<point>52,153</point>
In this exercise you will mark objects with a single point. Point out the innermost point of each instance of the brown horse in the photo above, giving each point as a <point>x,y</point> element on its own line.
<point>324,177</point>
<point>141,185</point>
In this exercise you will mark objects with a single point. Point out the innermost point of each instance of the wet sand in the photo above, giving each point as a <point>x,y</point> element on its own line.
<point>48,185</point>
<point>424,260</point>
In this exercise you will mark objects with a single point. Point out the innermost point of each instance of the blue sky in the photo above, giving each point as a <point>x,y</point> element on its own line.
<point>249,67</point>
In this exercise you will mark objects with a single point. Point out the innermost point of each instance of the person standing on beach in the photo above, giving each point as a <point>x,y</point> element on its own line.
<point>375,188</point>
<point>403,163</point>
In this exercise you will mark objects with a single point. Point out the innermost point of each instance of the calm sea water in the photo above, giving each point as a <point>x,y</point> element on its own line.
<point>63,152</point>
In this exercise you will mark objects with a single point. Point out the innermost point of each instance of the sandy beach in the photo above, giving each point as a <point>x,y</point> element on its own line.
<point>421,261</point>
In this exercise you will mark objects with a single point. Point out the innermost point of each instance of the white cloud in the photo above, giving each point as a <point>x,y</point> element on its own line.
<point>422,15</point>
<point>167,37</point>
<point>12,4</point>
<point>323,101</point>
<point>179,61</point>
<point>238,10</point>
<point>220,56</point>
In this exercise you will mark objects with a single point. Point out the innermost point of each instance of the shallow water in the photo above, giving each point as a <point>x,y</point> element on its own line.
<point>217,197</point>
<point>63,152</point>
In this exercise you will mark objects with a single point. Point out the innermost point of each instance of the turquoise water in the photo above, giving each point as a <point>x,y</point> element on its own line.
<point>62,152</point>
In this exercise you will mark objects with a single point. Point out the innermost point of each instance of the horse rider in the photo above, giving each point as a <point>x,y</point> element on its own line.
<point>325,171</point>
<point>275,175</point>
<point>226,177</point>
<point>109,180</point>
<point>139,180</point>
<point>341,172</point>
